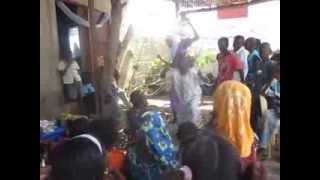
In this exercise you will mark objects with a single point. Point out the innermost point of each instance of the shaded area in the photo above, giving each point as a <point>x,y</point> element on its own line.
<point>272,165</point>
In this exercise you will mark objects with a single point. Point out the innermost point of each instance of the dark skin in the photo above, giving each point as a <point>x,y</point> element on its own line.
<point>223,47</point>
<point>276,75</point>
<point>238,43</point>
<point>265,52</point>
<point>251,44</point>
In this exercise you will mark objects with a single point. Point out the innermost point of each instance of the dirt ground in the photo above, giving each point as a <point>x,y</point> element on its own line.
<point>272,165</point>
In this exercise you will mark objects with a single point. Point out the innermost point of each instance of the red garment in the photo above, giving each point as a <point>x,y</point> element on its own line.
<point>252,168</point>
<point>230,64</point>
<point>115,159</point>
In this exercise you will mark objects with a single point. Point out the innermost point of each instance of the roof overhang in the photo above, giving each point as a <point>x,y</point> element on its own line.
<point>100,5</point>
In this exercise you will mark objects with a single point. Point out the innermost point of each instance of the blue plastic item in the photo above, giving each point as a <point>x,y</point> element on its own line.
<point>54,136</point>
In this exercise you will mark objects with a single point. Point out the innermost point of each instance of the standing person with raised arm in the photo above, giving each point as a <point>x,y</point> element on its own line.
<point>185,95</point>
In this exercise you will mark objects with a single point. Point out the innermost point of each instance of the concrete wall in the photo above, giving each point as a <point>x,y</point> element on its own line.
<point>51,97</point>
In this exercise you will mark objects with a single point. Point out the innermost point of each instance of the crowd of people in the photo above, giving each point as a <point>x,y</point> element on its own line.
<point>226,148</point>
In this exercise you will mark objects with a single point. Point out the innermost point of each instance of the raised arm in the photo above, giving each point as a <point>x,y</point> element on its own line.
<point>195,34</point>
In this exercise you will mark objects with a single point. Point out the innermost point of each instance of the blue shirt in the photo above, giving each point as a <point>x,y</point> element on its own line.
<point>252,60</point>
<point>87,89</point>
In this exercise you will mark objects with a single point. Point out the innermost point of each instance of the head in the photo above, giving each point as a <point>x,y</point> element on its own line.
<point>106,130</point>
<point>251,44</point>
<point>210,77</point>
<point>211,157</point>
<point>187,131</point>
<point>78,126</point>
<point>78,159</point>
<point>265,51</point>
<point>223,44</point>
<point>238,42</point>
<point>232,110</point>
<point>138,99</point>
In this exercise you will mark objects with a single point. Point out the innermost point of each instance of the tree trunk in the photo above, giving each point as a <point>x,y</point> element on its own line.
<point>110,108</point>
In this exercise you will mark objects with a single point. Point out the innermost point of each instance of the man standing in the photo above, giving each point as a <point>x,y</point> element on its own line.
<point>251,45</point>
<point>239,49</point>
<point>231,67</point>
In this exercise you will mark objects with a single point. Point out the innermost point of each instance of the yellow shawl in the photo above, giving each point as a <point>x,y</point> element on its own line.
<point>232,106</point>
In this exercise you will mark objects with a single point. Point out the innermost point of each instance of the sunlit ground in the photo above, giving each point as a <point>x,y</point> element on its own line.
<point>164,102</point>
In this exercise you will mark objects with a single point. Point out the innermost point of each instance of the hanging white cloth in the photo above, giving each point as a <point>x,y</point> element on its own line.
<point>79,20</point>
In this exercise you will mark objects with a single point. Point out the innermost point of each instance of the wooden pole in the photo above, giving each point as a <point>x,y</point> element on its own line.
<point>92,48</point>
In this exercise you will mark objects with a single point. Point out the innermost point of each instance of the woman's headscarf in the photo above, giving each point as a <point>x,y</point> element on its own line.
<point>232,106</point>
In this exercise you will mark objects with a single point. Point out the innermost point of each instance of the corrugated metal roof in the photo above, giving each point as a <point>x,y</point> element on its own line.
<point>208,3</point>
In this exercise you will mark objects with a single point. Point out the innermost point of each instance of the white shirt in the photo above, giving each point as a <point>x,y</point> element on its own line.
<point>188,85</point>
<point>72,73</point>
<point>243,55</point>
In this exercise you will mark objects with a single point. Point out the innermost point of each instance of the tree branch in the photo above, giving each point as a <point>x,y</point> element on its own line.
<point>125,42</point>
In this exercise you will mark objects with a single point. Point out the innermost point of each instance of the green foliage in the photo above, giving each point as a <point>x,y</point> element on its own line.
<point>205,58</point>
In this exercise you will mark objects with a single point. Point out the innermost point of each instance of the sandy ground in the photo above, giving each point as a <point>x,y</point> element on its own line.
<point>272,165</point>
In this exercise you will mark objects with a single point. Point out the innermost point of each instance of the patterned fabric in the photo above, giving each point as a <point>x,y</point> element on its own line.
<point>158,139</point>
<point>153,132</point>
<point>140,169</point>
<point>232,102</point>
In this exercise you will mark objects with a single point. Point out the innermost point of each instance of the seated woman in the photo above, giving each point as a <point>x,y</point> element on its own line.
<point>232,104</point>
<point>81,158</point>
<point>207,155</point>
<point>153,150</point>
<point>102,133</point>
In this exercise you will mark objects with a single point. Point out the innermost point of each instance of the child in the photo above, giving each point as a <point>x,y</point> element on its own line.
<point>272,117</point>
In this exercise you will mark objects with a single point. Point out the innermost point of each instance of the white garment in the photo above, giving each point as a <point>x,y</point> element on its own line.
<point>243,54</point>
<point>189,92</point>
<point>72,73</point>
